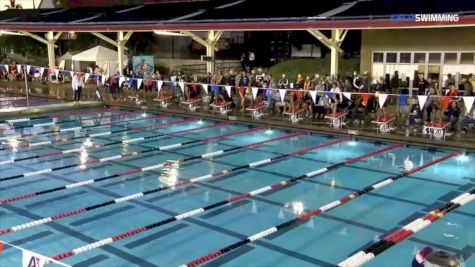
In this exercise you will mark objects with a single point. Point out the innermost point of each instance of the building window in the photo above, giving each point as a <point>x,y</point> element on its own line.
<point>419,57</point>
<point>434,58</point>
<point>405,58</point>
<point>378,57</point>
<point>466,58</point>
<point>391,57</point>
<point>450,58</point>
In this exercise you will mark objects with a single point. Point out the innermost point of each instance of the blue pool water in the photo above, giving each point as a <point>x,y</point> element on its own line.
<point>324,240</point>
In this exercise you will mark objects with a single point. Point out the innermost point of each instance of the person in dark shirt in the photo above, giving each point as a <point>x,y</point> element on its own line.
<point>452,114</point>
<point>421,84</point>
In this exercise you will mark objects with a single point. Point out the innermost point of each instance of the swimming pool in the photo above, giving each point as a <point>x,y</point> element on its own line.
<point>83,175</point>
<point>12,101</point>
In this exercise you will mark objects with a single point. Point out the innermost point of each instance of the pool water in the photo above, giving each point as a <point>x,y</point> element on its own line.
<point>324,240</point>
<point>9,101</point>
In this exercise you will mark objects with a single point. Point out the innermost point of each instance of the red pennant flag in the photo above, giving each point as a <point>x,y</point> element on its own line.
<point>365,99</point>
<point>446,101</point>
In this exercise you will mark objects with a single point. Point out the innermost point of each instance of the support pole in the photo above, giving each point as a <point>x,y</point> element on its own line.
<point>210,65</point>
<point>27,91</point>
<point>50,46</point>
<point>120,50</point>
<point>333,44</point>
<point>334,53</point>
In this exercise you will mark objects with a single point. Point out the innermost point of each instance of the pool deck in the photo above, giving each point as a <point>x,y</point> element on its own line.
<point>366,132</point>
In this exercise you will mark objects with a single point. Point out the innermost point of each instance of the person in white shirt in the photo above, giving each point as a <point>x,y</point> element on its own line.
<point>336,97</point>
<point>77,84</point>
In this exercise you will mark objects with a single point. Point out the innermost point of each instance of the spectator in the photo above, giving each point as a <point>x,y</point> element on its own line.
<point>469,119</point>
<point>395,82</point>
<point>283,82</point>
<point>432,104</point>
<point>450,81</point>
<point>421,84</point>
<point>467,87</point>
<point>452,114</point>
<point>77,85</point>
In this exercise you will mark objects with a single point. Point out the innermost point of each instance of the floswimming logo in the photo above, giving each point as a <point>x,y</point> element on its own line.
<point>424,17</point>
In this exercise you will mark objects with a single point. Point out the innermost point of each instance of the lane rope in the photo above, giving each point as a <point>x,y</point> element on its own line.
<point>66,139</point>
<point>194,212</point>
<point>174,186</point>
<point>406,231</point>
<point>58,116</point>
<point>126,141</point>
<point>83,163</point>
<point>70,129</point>
<point>149,168</point>
<point>304,216</point>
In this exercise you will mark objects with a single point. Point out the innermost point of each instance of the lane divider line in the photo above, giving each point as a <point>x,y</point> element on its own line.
<point>75,128</point>
<point>406,231</point>
<point>299,219</point>
<point>65,139</point>
<point>127,141</point>
<point>55,122</point>
<point>162,188</point>
<point>145,169</point>
<point>88,111</point>
<point>93,161</point>
<point>202,209</point>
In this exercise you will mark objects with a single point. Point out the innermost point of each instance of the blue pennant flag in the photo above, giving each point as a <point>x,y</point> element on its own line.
<point>402,100</point>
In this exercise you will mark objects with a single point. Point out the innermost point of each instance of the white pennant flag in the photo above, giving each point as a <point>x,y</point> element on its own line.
<point>56,73</point>
<point>18,67</point>
<point>139,83</point>
<point>121,80</point>
<point>468,100</point>
<point>42,70</point>
<point>282,94</point>
<point>159,85</point>
<point>28,67</point>
<point>254,92</point>
<point>6,67</point>
<point>205,87</point>
<point>31,259</point>
<point>347,95</point>
<point>104,79</point>
<point>86,77</point>
<point>382,99</point>
<point>422,100</point>
<point>182,86</point>
<point>228,90</point>
<point>313,94</point>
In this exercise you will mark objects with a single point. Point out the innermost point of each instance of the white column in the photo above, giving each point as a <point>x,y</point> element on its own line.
<point>210,65</point>
<point>120,50</point>
<point>334,52</point>
<point>50,46</point>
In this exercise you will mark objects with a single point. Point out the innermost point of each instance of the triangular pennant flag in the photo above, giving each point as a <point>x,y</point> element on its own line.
<point>421,160</point>
<point>86,77</point>
<point>402,100</point>
<point>330,95</point>
<point>313,94</point>
<point>205,87</point>
<point>228,90</point>
<point>28,67</point>
<point>254,92</point>
<point>382,99</point>
<point>282,94</point>
<point>182,86</point>
<point>365,98</point>
<point>139,83</point>
<point>446,101</point>
<point>18,67</point>
<point>104,79</point>
<point>468,101</point>
<point>422,100</point>
<point>347,95</point>
<point>159,85</point>
<point>6,67</point>
<point>42,70</point>
<point>56,73</point>
<point>121,80</point>
<point>71,73</point>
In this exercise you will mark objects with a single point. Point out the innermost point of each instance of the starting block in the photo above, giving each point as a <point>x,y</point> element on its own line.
<point>222,107</point>
<point>384,124</point>
<point>163,101</point>
<point>336,121</point>
<point>296,116</point>
<point>192,104</point>
<point>256,111</point>
<point>136,100</point>
<point>436,130</point>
